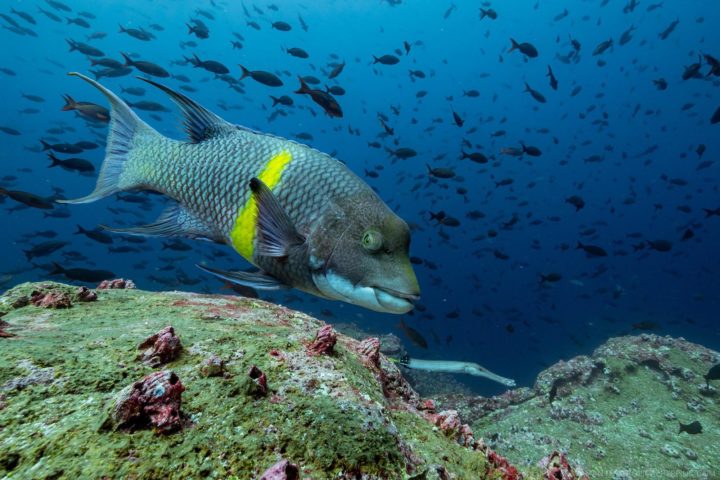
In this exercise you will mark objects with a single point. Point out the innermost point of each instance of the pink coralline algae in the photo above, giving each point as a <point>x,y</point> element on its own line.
<point>282,470</point>
<point>3,333</point>
<point>449,422</point>
<point>257,382</point>
<point>153,401</point>
<point>369,350</point>
<point>51,299</point>
<point>324,342</point>
<point>498,466</point>
<point>161,347</point>
<point>84,294</point>
<point>557,467</point>
<point>118,283</point>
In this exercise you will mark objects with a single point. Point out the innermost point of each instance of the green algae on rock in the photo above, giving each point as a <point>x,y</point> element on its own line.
<point>344,413</point>
<point>615,413</point>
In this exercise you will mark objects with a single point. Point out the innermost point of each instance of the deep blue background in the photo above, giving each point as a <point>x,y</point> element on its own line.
<point>678,290</point>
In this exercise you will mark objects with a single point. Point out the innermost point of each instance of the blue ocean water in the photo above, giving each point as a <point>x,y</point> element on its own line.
<point>643,160</point>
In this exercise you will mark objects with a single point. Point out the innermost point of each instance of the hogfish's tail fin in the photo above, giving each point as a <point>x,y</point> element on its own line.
<point>126,133</point>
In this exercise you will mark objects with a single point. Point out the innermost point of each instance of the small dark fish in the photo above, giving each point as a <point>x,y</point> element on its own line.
<point>97,235</point>
<point>471,93</point>
<point>145,67</point>
<point>71,164</point>
<point>539,97</point>
<point>336,90</point>
<point>282,26</point>
<point>24,15</point>
<point>81,22</point>
<point>550,278</point>
<point>444,219</point>
<point>9,131</point>
<point>82,274</point>
<point>29,199</point>
<point>323,99</point>
<point>602,47</point>
<point>476,157</point>
<point>691,428</point>
<point>530,150</point>
<point>413,335</point>
<point>198,28</point>
<point>44,249</point>
<point>138,33</point>
<point>660,245</point>
<point>209,65</point>
<point>260,76</point>
<point>386,59</point>
<point>88,110</point>
<point>576,201</point>
<point>284,100</point>
<point>84,48</point>
<point>440,172</point>
<point>403,153</point>
<point>149,106</point>
<point>489,13</point>
<point>553,80</point>
<point>670,28</point>
<point>592,250</point>
<point>337,70</point>
<point>456,118</point>
<point>297,52</point>
<point>688,234</point>
<point>61,147</point>
<point>661,84</point>
<point>525,48</point>
<point>716,117</point>
<point>712,212</point>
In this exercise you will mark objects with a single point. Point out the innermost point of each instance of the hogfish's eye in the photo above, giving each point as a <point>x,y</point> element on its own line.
<point>372,240</point>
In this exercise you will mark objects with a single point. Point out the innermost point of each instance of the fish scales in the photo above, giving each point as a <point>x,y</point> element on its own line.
<point>298,214</point>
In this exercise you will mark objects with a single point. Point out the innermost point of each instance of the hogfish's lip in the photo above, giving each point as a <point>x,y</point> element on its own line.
<point>410,297</point>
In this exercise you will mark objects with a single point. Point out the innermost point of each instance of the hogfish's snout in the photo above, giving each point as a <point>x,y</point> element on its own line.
<point>362,257</point>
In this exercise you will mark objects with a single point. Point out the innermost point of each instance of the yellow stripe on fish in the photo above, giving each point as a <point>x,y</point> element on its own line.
<point>243,233</point>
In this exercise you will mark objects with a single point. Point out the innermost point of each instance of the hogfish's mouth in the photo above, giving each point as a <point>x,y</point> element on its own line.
<point>380,299</point>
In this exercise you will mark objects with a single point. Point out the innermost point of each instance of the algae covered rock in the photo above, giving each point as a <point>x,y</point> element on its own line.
<point>256,385</point>
<point>616,413</point>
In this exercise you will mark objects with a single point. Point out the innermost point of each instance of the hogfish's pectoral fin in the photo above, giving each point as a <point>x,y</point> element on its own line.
<point>258,280</point>
<point>276,232</point>
<point>174,221</point>
<point>200,123</point>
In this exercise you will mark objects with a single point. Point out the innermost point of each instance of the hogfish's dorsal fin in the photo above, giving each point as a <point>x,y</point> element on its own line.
<point>200,123</point>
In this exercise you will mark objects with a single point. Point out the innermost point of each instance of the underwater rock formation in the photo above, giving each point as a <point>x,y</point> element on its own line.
<point>257,391</point>
<point>616,414</point>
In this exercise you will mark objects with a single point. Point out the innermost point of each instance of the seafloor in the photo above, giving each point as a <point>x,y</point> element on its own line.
<point>94,385</point>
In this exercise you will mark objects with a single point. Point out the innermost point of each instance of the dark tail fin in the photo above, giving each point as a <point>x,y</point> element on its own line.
<point>80,230</point>
<point>54,161</point>
<point>128,60</point>
<point>303,86</point>
<point>245,72</point>
<point>579,245</point>
<point>46,146</point>
<point>57,270</point>
<point>514,46</point>
<point>69,103</point>
<point>73,45</point>
<point>275,100</point>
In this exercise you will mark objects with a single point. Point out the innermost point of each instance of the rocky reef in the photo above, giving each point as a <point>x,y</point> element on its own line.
<point>616,413</point>
<point>120,383</point>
